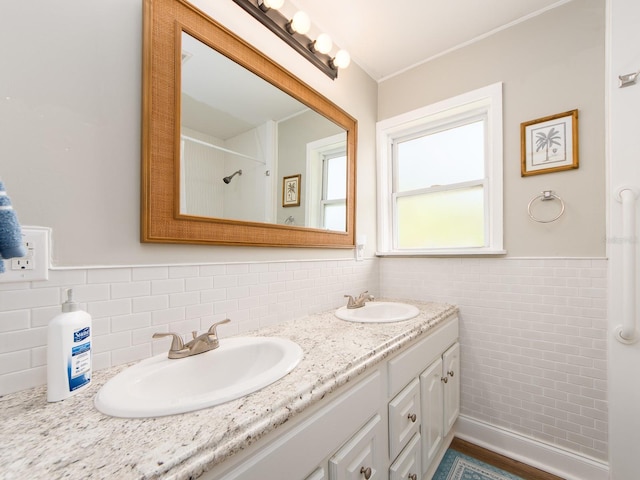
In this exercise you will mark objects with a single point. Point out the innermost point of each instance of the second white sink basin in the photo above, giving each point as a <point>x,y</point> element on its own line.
<point>378,312</point>
<point>161,386</point>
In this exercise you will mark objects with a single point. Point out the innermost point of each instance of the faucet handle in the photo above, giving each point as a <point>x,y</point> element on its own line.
<point>176,343</point>
<point>365,297</point>
<point>212,328</point>
<point>351,300</point>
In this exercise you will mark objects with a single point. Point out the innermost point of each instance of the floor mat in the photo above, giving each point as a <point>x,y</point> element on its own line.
<point>457,466</point>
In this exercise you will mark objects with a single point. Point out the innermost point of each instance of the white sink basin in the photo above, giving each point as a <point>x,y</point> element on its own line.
<point>161,386</point>
<point>378,312</point>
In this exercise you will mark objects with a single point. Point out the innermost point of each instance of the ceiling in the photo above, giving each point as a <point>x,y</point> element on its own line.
<point>240,101</point>
<point>385,37</point>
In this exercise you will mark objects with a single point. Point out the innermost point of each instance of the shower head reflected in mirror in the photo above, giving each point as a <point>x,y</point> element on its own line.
<point>227,180</point>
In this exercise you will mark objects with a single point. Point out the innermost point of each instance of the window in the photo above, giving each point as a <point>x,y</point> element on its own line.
<point>440,169</point>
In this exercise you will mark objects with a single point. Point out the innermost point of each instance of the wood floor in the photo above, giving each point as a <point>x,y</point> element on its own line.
<point>507,464</point>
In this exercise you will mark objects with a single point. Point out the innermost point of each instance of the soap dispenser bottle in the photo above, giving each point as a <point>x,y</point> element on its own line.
<point>68,351</point>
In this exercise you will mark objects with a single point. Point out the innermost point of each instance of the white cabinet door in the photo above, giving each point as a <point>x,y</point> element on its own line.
<point>431,398</point>
<point>407,465</point>
<point>451,371</point>
<point>318,474</point>
<point>362,456</point>
<point>404,417</point>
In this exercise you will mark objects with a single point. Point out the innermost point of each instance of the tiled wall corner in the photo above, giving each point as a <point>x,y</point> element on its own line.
<point>129,304</point>
<point>533,336</point>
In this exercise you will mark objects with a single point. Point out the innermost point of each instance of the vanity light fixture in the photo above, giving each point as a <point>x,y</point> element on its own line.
<point>294,30</point>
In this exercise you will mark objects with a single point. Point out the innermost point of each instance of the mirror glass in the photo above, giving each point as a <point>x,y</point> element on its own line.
<point>251,152</point>
<point>235,149</point>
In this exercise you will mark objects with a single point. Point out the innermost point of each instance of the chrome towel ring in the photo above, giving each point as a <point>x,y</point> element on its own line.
<point>544,196</point>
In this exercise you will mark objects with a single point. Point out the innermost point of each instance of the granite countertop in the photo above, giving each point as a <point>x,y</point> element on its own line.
<point>71,439</point>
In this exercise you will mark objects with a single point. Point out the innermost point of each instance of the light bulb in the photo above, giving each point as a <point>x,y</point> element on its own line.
<point>275,4</point>
<point>323,43</point>
<point>268,4</point>
<point>342,59</point>
<point>300,23</point>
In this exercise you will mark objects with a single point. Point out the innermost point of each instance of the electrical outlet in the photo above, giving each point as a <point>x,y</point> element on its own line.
<point>35,264</point>
<point>27,262</point>
<point>22,264</point>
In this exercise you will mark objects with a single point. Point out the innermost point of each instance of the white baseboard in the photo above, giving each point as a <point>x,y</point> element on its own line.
<point>551,459</point>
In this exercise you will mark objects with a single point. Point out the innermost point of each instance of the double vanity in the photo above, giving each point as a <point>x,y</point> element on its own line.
<point>357,400</point>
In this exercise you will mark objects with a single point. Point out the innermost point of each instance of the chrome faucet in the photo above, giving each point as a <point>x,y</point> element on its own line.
<point>199,344</point>
<point>359,301</point>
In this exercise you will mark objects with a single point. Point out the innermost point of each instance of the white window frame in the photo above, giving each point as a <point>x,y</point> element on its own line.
<point>316,151</point>
<point>326,156</point>
<point>486,101</point>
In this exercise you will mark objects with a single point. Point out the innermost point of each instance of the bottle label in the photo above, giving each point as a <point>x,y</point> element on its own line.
<point>79,368</point>
<point>81,334</point>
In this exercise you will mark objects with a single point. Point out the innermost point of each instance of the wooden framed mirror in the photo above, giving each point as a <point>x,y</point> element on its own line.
<point>231,195</point>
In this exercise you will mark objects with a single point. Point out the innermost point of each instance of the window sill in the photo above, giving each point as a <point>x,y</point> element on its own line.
<point>462,252</point>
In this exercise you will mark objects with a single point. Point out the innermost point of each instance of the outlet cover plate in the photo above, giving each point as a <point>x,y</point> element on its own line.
<point>37,241</point>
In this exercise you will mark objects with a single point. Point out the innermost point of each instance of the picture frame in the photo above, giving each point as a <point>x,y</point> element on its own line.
<point>549,144</point>
<point>291,190</point>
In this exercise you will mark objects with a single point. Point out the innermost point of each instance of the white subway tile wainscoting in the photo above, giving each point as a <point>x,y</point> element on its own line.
<point>533,332</point>
<point>533,336</point>
<point>129,304</point>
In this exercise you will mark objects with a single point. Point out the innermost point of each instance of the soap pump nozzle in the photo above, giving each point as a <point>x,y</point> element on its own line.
<point>69,305</point>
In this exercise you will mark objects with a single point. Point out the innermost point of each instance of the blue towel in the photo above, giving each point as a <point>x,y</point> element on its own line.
<point>11,245</point>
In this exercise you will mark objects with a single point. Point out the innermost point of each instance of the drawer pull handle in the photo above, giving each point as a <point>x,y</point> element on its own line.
<point>413,476</point>
<point>366,472</point>
<point>450,373</point>
<point>444,379</point>
<point>412,417</point>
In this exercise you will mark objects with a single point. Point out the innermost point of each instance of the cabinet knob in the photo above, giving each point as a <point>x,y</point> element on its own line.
<point>412,417</point>
<point>444,379</point>
<point>366,472</point>
<point>413,476</point>
<point>450,373</point>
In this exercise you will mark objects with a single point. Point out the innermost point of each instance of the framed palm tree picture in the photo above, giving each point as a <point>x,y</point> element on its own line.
<point>549,144</point>
<point>291,191</point>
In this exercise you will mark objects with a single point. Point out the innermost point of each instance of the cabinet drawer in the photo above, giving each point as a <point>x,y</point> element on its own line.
<point>404,417</point>
<point>407,465</point>
<point>410,363</point>
<point>362,456</point>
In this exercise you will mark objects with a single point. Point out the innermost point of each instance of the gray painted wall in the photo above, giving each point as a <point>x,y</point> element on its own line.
<point>550,64</point>
<point>70,117</point>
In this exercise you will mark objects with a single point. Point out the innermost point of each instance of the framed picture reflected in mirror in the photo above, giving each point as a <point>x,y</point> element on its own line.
<point>291,191</point>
